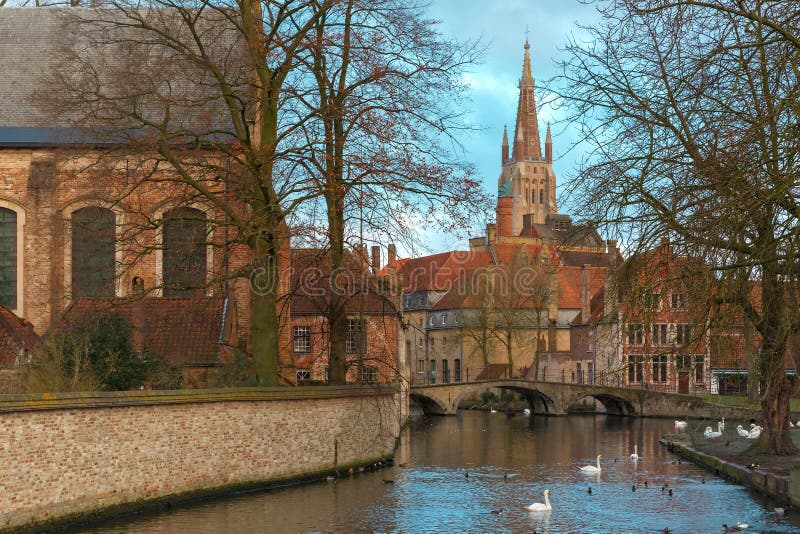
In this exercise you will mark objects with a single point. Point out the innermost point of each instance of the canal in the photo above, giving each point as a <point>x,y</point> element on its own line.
<point>509,461</point>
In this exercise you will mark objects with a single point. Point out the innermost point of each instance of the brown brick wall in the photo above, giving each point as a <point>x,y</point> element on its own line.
<point>83,458</point>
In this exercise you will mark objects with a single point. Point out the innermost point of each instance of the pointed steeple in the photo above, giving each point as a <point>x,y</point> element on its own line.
<point>548,146</point>
<point>504,155</point>
<point>527,122</point>
<point>527,77</point>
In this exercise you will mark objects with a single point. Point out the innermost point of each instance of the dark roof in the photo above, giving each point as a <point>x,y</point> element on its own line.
<point>36,44</point>
<point>16,335</point>
<point>577,258</point>
<point>184,331</point>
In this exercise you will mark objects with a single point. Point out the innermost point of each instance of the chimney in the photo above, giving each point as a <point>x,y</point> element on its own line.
<point>376,258</point>
<point>586,275</point>
<point>612,245</point>
<point>391,261</point>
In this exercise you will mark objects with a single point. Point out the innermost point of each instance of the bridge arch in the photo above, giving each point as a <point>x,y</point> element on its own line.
<point>429,404</point>
<point>613,404</point>
<point>539,402</point>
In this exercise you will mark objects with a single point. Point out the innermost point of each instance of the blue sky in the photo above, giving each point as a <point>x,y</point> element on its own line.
<point>501,24</point>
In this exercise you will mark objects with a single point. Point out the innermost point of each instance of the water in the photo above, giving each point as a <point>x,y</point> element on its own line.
<point>510,462</point>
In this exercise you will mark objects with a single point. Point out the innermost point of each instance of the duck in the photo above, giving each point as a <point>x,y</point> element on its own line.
<point>726,528</point>
<point>742,525</point>
<point>709,433</point>
<point>741,431</point>
<point>592,468</point>
<point>539,507</point>
<point>635,456</point>
<point>680,424</point>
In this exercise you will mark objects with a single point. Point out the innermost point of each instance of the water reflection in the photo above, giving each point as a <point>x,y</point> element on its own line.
<point>478,472</point>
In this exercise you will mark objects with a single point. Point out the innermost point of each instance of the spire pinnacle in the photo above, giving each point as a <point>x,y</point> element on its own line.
<point>527,77</point>
<point>548,138</point>
<point>505,135</point>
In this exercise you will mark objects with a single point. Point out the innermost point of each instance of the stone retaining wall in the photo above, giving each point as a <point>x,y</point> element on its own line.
<point>74,456</point>
<point>782,489</point>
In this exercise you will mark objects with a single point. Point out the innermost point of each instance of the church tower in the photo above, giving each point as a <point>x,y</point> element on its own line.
<point>527,183</point>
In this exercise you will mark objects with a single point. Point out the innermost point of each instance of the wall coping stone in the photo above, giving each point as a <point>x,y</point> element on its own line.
<point>99,399</point>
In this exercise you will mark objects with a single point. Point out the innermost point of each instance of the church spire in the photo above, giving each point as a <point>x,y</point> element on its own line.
<point>527,77</point>
<point>548,146</point>
<point>527,126</point>
<point>504,155</point>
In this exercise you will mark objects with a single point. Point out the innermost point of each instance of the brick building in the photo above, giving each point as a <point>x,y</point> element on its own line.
<point>544,271</point>
<point>76,229</point>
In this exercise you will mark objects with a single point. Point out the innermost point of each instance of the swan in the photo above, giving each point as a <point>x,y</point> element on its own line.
<point>791,425</point>
<point>680,424</point>
<point>754,433</point>
<point>711,434</point>
<point>721,425</point>
<point>742,432</point>
<point>539,507</point>
<point>591,468</point>
<point>635,455</point>
<point>526,411</point>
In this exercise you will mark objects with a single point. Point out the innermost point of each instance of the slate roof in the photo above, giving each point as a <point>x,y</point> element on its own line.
<point>36,42</point>
<point>184,331</point>
<point>16,335</point>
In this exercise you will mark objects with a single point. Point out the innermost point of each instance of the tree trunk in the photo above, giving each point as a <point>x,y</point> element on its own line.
<point>265,323</point>
<point>337,361</point>
<point>775,436</point>
<point>752,363</point>
<point>509,353</point>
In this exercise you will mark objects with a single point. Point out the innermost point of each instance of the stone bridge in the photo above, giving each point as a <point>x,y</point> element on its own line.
<point>555,398</point>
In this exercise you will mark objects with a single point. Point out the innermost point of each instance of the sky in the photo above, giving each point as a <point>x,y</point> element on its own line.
<point>501,24</point>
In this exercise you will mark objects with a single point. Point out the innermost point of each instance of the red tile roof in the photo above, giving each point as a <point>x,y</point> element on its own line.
<point>15,335</point>
<point>311,286</point>
<point>439,271</point>
<point>184,331</point>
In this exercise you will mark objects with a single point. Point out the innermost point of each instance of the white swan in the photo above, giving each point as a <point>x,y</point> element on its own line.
<point>539,507</point>
<point>635,455</point>
<point>591,468</point>
<point>711,434</point>
<point>755,432</point>
<point>680,424</point>
<point>742,432</point>
<point>721,425</point>
<point>526,411</point>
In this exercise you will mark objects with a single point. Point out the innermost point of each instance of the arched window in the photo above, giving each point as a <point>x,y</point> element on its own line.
<point>184,259</point>
<point>541,196</point>
<point>93,246</point>
<point>8,258</point>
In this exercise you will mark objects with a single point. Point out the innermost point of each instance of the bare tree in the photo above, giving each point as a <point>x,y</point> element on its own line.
<point>387,96</point>
<point>193,98</point>
<point>692,111</point>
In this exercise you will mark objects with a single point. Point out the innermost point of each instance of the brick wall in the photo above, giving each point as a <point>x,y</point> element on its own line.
<point>71,455</point>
